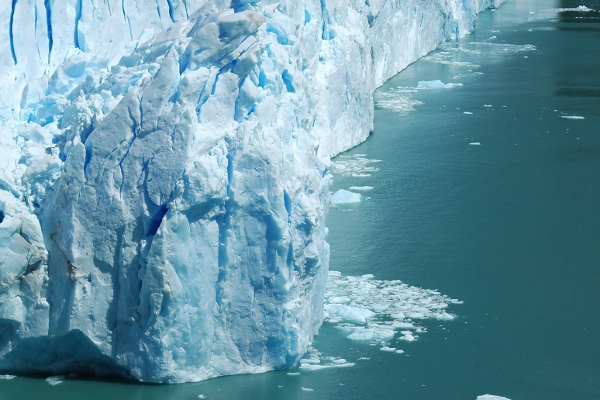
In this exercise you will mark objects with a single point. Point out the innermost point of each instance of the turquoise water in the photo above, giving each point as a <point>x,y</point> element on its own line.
<point>510,226</point>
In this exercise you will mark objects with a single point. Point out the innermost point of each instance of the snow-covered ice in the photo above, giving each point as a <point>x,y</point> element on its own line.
<point>164,174</point>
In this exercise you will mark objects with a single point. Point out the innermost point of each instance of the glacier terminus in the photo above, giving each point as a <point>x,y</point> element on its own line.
<point>164,174</point>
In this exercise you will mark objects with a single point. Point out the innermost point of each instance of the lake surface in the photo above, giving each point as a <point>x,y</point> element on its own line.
<point>488,190</point>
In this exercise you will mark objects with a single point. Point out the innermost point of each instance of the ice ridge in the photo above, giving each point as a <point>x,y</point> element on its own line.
<point>164,174</point>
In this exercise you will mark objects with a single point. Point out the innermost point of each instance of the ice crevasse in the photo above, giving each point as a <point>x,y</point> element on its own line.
<point>164,173</point>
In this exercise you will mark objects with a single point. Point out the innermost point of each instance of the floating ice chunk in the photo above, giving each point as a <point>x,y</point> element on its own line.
<point>356,165</point>
<point>572,117</point>
<point>436,84</point>
<point>293,373</point>
<point>201,396</point>
<point>475,144</point>
<point>318,367</point>
<point>306,389</point>
<point>487,105</point>
<point>7,377</point>
<point>349,313</point>
<point>491,397</point>
<point>388,349</point>
<point>408,337</point>
<point>567,9</point>
<point>55,380</point>
<point>398,100</point>
<point>343,196</point>
<point>371,334</point>
<point>399,351</point>
<point>361,188</point>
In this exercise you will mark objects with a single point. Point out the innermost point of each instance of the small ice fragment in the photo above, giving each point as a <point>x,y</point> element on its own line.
<point>55,380</point>
<point>400,351</point>
<point>487,105</point>
<point>347,313</point>
<point>313,367</point>
<point>388,349</point>
<point>491,397</point>
<point>307,389</point>
<point>361,188</point>
<point>408,338</point>
<point>344,197</point>
<point>572,117</point>
<point>7,377</point>
<point>293,373</point>
<point>436,84</point>
<point>475,143</point>
<point>467,112</point>
<point>201,396</point>
<point>368,334</point>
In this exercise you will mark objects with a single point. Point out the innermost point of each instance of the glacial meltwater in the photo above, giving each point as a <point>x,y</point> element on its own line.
<point>466,243</point>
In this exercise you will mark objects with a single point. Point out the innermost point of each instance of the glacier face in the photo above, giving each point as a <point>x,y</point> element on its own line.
<point>164,173</point>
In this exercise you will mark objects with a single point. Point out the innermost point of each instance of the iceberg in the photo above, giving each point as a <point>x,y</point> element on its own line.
<point>164,174</point>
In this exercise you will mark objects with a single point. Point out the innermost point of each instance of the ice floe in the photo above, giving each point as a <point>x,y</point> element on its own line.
<point>356,165</point>
<point>567,9</point>
<point>343,196</point>
<point>55,380</point>
<point>572,117</point>
<point>7,377</point>
<point>491,397</point>
<point>368,309</point>
<point>398,100</point>
<point>436,84</point>
<point>361,188</point>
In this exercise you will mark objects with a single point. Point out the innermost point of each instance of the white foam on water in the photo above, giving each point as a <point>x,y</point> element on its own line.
<point>361,188</point>
<point>572,117</point>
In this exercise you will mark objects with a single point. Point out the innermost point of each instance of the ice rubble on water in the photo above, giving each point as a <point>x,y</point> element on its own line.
<point>164,173</point>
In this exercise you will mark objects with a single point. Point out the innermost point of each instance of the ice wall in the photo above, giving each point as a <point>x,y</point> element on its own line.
<point>163,175</point>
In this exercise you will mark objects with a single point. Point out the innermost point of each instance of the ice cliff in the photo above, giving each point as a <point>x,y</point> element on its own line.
<point>164,179</point>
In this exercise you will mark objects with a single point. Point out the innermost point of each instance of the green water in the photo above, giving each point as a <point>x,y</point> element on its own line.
<point>510,226</point>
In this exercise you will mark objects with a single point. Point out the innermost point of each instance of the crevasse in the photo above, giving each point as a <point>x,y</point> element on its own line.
<point>164,173</point>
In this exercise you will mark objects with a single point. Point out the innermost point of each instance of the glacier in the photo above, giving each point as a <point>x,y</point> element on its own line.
<point>164,173</point>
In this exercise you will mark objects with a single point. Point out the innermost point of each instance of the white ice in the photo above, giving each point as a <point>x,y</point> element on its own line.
<point>436,84</point>
<point>343,196</point>
<point>164,176</point>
